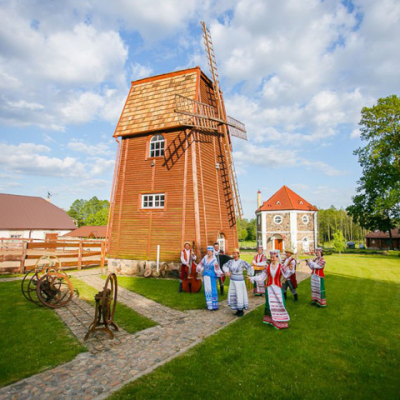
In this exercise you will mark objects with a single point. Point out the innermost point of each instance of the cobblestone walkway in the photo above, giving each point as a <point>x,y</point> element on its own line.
<point>107,367</point>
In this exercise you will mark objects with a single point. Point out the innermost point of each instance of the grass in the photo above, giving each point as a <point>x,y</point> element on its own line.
<point>4,276</point>
<point>32,338</point>
<point>125,317</point>
<point>165,291</point>
<point>350,349</point>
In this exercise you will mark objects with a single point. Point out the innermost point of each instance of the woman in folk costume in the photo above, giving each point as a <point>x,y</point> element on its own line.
<point>259,263</point>
<point>211,271</point>
<point>289,273</point>
<point>317,279</point>
<point>187,259</point>
<point>275,313</point>
<point>238,298</point>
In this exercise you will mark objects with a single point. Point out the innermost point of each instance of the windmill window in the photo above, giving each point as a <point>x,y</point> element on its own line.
<point>277,219</point>
<point>153,200</point>
<point>157,146</point>
<point>305,219</point>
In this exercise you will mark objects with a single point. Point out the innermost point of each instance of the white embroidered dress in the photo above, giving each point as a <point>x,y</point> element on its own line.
<point>238,298</point>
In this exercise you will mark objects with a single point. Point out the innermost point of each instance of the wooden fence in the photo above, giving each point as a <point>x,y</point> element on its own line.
<point>72,253</point>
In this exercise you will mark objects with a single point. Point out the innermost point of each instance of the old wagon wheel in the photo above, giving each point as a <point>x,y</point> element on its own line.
<point>109,300</point>
<point>49,263</point>
<point>54,290</point>
<point>28,285</point>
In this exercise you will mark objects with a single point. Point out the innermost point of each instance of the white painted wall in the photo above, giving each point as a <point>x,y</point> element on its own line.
<point>34,234</point>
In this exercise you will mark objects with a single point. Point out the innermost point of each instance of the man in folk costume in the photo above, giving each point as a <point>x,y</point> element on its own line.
<point>289,273</point>
<point>221,279</point>
<point>275,313</point>
<point>238,298</point>
<point>259,263</point>
<point>187,259</point>
<point>317,279</point>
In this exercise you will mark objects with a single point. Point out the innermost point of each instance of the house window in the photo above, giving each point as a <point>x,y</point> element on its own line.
<point>306,245</point>
<point>157,146</point>
<point>153,200</point>
<point>278,203</point>
<point>305,219</point>
<point>259,220</point>
<point>277,219</point>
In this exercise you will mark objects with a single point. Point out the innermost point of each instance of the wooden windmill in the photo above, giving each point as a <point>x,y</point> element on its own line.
<point>174,177</point>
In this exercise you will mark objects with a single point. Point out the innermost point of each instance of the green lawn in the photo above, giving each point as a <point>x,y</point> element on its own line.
<point>349,350</point>
<point>125,317</point>
<point>165,291</point>
<point>32,338</point>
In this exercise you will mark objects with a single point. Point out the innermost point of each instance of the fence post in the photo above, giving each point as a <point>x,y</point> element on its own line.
<point>80,255</point>
<point>103,255</point>
<point>23,256</point>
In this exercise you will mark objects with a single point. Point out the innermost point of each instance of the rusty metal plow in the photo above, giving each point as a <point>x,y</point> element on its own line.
<point>46,284</point>
<point>106,301</point>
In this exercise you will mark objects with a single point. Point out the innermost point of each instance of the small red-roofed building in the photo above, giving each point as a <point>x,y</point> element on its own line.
<point>286,220</point>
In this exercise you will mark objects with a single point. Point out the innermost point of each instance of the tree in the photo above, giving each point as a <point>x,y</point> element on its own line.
<point>89,212</point>
<point>377,206</point>
<point>339,241</point>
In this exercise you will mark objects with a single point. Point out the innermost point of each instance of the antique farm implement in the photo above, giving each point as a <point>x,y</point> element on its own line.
<point>106,301</point>
<point>46,284</point>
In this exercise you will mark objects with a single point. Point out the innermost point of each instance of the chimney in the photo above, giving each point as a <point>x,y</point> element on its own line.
<point>259,199</point>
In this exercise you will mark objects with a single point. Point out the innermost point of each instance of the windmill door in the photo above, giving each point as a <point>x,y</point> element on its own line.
<point>279,244</point>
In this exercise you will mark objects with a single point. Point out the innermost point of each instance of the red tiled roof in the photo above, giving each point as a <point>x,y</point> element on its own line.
<point>286,199</point>
<point>87,231</point>
<point>384,235</point>
<point>28,212</point>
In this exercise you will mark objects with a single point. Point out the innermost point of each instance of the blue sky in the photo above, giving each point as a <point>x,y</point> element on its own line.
<point>297,73</point>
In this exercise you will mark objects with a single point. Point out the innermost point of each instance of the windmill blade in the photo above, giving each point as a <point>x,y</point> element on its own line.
<point>196,114</point>
<point>236,128</point>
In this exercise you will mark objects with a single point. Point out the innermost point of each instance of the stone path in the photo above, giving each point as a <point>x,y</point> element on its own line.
<point>109,365</point>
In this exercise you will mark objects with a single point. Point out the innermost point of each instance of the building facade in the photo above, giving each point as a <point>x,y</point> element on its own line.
<point>286,220</point>
<point>170,183</point>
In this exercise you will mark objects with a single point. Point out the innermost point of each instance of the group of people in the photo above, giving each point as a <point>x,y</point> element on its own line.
<point>271,278</point>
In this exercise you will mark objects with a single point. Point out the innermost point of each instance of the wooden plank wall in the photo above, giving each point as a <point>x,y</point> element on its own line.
<point>135,233</point>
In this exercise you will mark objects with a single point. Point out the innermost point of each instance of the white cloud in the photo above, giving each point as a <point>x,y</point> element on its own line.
<point>140,71</point>
<point>276,157</point>
<point>30,159</point>
<point>101,148</point>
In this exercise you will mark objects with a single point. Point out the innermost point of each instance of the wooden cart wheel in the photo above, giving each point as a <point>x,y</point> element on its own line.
<point>110,294</point>
<point>54,290</point>
<point>28,286</point>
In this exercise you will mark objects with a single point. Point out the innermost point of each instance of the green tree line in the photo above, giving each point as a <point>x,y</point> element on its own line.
<point>330,220</point>
<point>89,212</point>
<point>333,220</point>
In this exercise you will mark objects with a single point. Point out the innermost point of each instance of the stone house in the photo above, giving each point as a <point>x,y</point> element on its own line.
<point>286,220</point>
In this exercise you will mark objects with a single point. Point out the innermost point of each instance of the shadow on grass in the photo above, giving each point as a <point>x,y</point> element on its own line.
<point>32,338</point>
<point>350,349</point>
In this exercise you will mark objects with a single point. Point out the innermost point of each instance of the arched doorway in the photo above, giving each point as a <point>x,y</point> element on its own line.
<point>277,242</point>
<point>221,241</point>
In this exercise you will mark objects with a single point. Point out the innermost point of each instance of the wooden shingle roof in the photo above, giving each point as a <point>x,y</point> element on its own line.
<point>151,102</point>
<point>286,199</point>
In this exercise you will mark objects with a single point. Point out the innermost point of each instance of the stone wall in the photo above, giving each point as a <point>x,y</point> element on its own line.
<point>273,227</point>
<point>137,267</point>
<point>301,226</point>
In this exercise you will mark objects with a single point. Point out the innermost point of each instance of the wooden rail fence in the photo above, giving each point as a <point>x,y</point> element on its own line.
<point>72,253</point>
